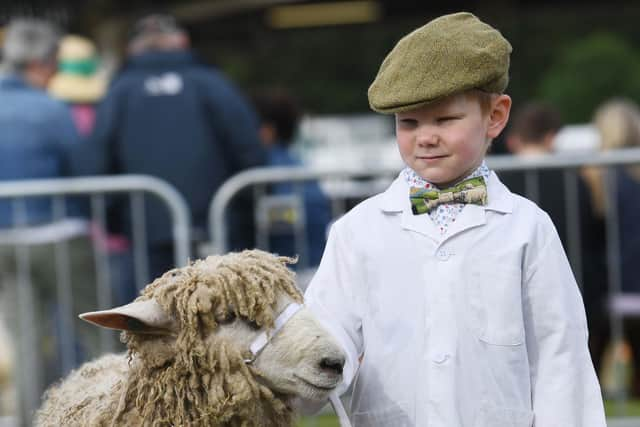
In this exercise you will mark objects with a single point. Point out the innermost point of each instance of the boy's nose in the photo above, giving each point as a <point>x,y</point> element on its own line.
<point>428,139</point>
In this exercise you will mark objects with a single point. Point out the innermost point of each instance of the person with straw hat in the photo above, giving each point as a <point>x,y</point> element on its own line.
<point>78,81</point>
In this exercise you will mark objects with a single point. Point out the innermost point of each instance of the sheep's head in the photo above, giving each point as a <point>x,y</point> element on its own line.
<point>205,317</point>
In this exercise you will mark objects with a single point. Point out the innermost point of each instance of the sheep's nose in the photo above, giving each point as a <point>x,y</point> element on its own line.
<point>333,364</point>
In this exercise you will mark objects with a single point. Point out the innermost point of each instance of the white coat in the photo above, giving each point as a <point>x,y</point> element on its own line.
<point>484,327</point>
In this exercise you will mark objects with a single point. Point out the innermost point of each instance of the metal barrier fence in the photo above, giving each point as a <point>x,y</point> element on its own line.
<point>260,178</point>
<point>344,183</point>
<point>96,189</point>
<point>350,183</point>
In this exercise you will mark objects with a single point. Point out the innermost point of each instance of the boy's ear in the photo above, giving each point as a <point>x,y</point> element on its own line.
<point>499,115</point>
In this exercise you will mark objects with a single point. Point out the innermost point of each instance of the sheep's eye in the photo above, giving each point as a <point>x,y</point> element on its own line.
<point>253,325</point>
<point>229,318</point>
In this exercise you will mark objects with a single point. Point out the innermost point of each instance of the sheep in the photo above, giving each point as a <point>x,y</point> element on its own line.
<point>190,337</point>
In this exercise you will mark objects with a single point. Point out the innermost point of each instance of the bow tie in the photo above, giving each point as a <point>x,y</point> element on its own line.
<point>472,190</point>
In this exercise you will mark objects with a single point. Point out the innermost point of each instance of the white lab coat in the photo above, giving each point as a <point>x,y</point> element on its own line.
<point>484,327</point>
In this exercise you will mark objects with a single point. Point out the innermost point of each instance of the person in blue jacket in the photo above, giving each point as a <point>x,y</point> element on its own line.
<point>37,134</point>
<point>38,139</point>
<point>168,115</point>
<point>280,114</point>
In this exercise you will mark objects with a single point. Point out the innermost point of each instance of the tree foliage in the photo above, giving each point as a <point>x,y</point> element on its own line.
<point>589,71</point>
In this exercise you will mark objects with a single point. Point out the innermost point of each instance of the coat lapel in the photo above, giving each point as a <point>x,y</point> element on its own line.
<point>470,217</point>
<point>420,223</point>
<point>499,199</point>
<point>395,200</point>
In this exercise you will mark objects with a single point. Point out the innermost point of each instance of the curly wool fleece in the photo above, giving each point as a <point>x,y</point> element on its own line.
<point>183,380</point>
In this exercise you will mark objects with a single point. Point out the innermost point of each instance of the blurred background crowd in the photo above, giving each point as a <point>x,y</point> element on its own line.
<point>195,91</point>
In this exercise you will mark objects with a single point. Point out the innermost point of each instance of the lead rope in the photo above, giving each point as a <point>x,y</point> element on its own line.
<point>261,341</point>
<point>338,408</point>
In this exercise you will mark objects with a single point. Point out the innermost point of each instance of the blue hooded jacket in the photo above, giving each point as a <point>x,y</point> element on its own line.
<point>168,116</point>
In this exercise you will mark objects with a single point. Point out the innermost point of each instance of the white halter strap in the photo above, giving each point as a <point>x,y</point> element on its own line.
<point>338,408</point>
<point>265,337</point>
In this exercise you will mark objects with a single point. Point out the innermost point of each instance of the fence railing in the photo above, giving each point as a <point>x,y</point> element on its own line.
<point>260,177</point>
<point>218,232</point>
<point>97,189</point>
<point>109,185</point>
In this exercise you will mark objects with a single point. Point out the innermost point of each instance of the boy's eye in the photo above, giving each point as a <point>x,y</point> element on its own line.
<point>409,122</point>
<point>253,325</point>
<point>447,118</point>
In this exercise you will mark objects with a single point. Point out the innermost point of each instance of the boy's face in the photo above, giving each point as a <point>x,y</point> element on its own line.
<point>447,140</point>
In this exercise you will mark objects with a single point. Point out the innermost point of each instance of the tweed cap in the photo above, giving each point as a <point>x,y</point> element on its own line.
<point>451,54</point>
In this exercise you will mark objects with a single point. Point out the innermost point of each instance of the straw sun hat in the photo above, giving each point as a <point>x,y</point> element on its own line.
<point>76,80</point>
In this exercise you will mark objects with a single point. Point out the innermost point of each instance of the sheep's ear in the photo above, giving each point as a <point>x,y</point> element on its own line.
<point>144,317</point>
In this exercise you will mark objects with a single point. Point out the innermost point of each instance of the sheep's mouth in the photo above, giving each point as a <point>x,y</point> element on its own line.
<point>316,386</point>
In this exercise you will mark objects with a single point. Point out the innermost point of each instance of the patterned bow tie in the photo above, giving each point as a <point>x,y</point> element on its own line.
<point>472,190</point>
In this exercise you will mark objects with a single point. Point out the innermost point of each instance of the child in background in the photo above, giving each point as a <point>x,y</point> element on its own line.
<point>280,114</point>
<point>452,296</point>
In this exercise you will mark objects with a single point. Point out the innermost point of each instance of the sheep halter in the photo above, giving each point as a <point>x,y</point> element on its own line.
<point>265,337</point>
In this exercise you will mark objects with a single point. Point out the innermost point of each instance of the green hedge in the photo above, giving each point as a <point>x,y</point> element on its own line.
<point>589,71</point>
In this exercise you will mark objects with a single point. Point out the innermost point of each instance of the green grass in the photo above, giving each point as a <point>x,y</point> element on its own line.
<point>325,420</point>
<point>631,409</point>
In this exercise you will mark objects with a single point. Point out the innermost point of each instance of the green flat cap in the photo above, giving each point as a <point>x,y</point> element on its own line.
<point>450,54</point>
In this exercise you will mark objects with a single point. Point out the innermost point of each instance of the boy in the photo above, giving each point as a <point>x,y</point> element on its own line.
<point>454,314</point>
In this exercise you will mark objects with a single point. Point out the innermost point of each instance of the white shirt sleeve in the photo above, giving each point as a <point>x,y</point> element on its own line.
<point>565,390</point>
<point>335,297</point>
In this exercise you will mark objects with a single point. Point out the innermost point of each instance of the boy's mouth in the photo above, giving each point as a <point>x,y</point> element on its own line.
<point>431,157</point>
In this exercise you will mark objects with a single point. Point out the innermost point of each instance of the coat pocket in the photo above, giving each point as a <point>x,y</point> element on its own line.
<point>495,305</point>
<point>494,416</point>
